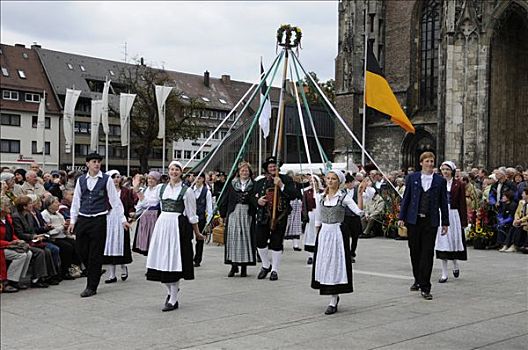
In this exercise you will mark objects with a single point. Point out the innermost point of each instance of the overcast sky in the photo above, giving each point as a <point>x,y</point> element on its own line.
<point>222,37</point>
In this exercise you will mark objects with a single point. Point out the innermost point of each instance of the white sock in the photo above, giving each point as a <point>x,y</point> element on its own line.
<point>455,264</point>
<point>123,268</point>
<point>333,299</point>
<point>168,285</point>
<point>263,253</point>
<point>111,271</point>
<point>444,269</point>
<point>275,260</point>
<point>34,280</point>
<point>174,289</point>
<point>296,243</point>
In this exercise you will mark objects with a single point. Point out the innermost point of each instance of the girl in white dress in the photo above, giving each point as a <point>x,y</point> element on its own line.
<point>170,256</point>
<point>332,266</point>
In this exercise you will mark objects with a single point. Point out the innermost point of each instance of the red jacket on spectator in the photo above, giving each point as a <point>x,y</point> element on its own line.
<point>3,244</point>
<point>458,200</point>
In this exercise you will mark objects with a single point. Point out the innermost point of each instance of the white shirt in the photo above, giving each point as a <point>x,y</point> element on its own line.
<point>427,180</point>
<point>331,202</point>
<point>113,198</point>
<point>150,198</point>
<point>208,200</point>
<point>368,194</point>
<point>57,221</point>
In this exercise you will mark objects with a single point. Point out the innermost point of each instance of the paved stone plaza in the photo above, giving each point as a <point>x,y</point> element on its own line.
<point>486,308</point>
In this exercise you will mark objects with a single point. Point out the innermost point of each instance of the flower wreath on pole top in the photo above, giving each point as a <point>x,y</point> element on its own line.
<point>285,34</point>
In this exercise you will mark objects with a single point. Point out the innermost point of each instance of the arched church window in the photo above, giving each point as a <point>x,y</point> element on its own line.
<point>429,40</point>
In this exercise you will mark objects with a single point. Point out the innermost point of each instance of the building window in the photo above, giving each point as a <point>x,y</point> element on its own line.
<point>224,134</point>
<point>47,122</point>
<point>111,72</point>
<point>10,119</point>
<point>205,153</point>
<point>205,99</point>
<point>185,97</point>
<point>25,55</point>
<point>187,154</point>
<point>114,130</point>
<point>9,146</point>
<point>232,117</point>
<point>70,66</point>
<point>429,41</point>
<point>82,150</point>
<point>102,150</point>
<point>82,127</point>
<point>216,135</point>
<point>206,134</point>
<point>10,95</point>
<point>222,101</point>
<point>32,97</point>
<point>197,155</point>
<point>34,149</point>
<point>177,154</point>
<point>82,68</point>
<point>21,74</point>
<point>5,73</point>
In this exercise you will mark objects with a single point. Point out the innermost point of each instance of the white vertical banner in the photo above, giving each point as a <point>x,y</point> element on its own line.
<point>162,92</point>
<point>95,121</point>
<point>265,113</point>
<point>69,115</point>
<point>125,106</point>
<point>41,124</point>
<point>104,108</point>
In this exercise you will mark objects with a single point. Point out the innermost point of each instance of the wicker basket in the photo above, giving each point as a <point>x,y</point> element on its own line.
<point>402,231</point>
<point>218,234</point>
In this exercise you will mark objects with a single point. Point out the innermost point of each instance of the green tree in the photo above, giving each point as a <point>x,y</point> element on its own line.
<point>312,94</point>
<point>141,80</point>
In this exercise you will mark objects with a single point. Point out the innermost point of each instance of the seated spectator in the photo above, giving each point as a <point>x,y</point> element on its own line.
<point>400,186</point>
<point>500,187</point>
<point>53,185</point>
<point>517,235</point>
<point>31,186</point>
<point>41,261</point>
<point>14,250</point>
<point>66,203</point>
<point>60,237</point>
<point>374,211</point>
<point>505,218</point>
<point>7,181</point>
<point>20,176</point>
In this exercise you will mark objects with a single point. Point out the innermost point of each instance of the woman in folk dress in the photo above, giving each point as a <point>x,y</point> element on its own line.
<point>238,208</point>
<point>332,266</point>
<point>117,247</point>
<point>452,246</point>
<point>170,256</point>
<point>311,196</point>
<point>294,223</point>
<point>148,205</point>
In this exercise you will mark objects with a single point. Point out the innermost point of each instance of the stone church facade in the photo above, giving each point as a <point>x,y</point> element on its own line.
<point>459,69</point>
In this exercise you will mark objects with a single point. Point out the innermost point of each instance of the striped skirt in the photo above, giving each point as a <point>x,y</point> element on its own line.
<point>239,240</point>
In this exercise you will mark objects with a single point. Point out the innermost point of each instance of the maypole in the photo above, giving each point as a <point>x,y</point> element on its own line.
<point>284,38</point>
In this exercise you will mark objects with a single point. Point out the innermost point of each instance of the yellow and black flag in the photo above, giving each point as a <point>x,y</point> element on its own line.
<point>379,96</point>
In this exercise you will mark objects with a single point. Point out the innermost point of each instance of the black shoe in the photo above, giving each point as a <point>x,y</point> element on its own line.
<point>274,276</point>
<point>415,287</point>
<point>297,249</point>
<point>456,273</point>
<point>427,296</point>
<point>196,264</point>
<point>243,272</point>
<point>366,236</point>
<point>88,293</point>
<point>331,310</point>
<point>353,260</point>
<point>39,284</point>
<point>234,269</point>
<point>309,261</point>
<point>124,275</point>
<point>263,273</point>
<point>53,281</point>
<point>169,307</point>
<point>442,280</point>
<point>167,300</point>
<point>111,280</point>
<point>103,271</point>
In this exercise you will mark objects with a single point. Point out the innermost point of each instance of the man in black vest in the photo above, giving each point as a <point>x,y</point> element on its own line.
<point>204,210</point>
<point>352,219</point>
<point>424,198</point>
<point>93,197</point>
<point>263,229</point>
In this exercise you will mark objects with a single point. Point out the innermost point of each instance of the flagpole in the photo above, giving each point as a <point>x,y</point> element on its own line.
<point>163,151</point>
<point>73,135</point>
<point>44,135</point>
<point>364,126</point>
<point>105,111</point>
<point>128,147</point>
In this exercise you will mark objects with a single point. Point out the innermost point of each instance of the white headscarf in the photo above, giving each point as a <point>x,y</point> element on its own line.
<point>450,164</point>
<point>339,174</point>
<point>112,173</point>
<point>176,163</point>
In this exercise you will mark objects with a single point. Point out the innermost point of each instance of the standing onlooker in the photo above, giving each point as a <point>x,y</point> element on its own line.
<point>147,211</point>
<point>93,194</point>
<point>204,210</point>
<point>237,206</point>
<point>505,216</point>
<point>424,198</point>
<point>452,246</point>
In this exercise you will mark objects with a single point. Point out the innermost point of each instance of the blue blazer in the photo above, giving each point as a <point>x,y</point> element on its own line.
<point>410,203</point>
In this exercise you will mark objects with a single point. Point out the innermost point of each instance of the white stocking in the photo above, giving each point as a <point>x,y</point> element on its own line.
<point>275,260</point>
<point>455,264</point>
<point>111,271</point>
<point>174,289</point>
<point>333,299</point>
<point>263,252</point>
<point>444,269</point>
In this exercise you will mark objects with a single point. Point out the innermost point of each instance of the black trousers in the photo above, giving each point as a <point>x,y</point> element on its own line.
<point>90,241</point>
<point>199,244</point>
<point>264,234</point>
<point>421,240</point>
<point>67,253</point>
<point>354,225</point>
